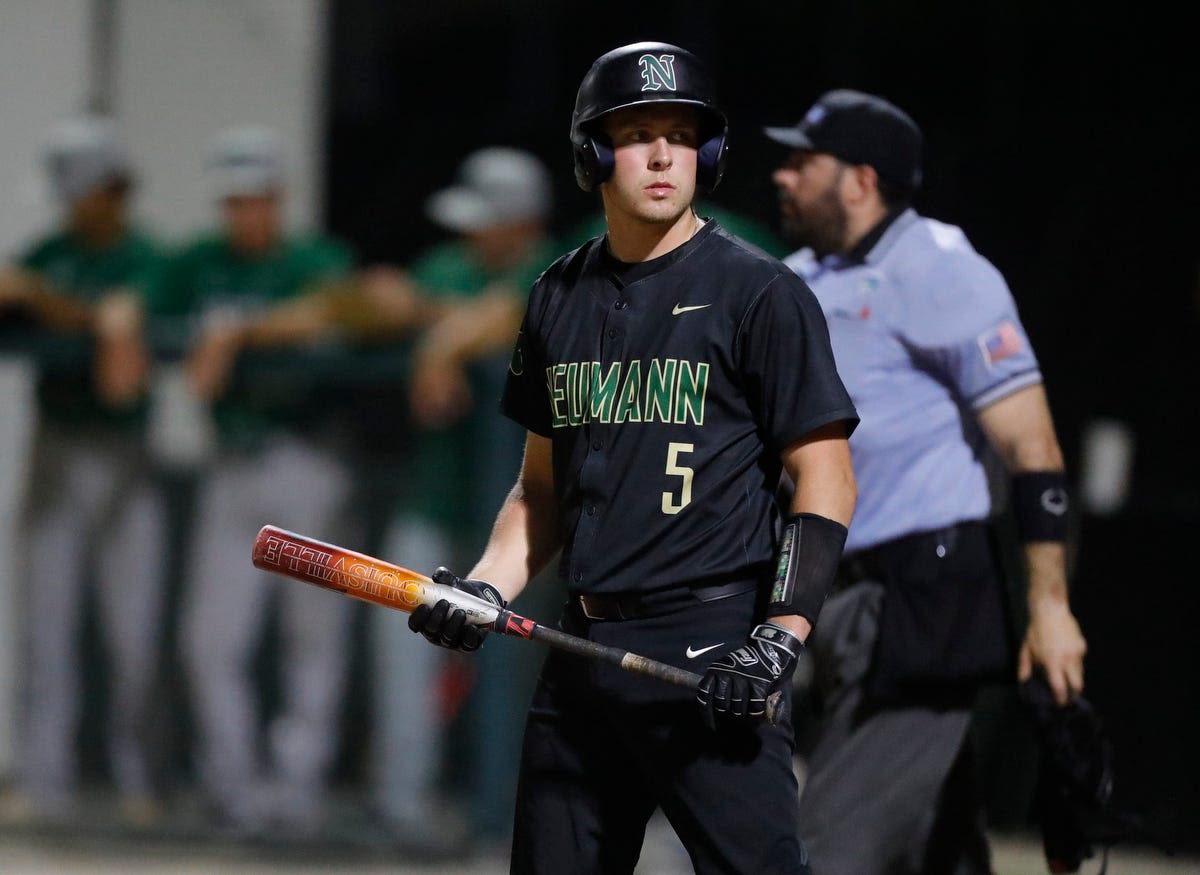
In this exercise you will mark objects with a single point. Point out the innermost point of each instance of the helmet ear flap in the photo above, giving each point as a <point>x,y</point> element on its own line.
<point>593,162</point>
<point>710,162</point>
<point>604,159</point>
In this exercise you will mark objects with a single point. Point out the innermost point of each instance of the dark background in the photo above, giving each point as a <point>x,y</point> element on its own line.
<point>1060,136</point>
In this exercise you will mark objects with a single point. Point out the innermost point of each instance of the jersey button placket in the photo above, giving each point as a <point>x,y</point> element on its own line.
<point>593,474</point>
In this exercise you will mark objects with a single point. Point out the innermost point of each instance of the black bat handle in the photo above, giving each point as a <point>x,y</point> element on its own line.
<point>618,657</point>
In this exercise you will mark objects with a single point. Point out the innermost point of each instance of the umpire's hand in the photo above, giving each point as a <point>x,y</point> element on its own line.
<point>739,683</point>
<point>449,628</point>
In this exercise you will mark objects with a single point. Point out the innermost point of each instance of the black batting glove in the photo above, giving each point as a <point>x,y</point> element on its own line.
<point>446,626</point>
<point>740,682</point>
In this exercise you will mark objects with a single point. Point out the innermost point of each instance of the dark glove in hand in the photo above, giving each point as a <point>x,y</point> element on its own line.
<point>446,626</point>
<point>739,683</point>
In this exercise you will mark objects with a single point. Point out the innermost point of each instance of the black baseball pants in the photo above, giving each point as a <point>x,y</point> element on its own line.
<point>604,748</point>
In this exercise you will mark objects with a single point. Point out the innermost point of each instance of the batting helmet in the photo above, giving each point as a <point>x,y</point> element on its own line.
<point>645,73</point>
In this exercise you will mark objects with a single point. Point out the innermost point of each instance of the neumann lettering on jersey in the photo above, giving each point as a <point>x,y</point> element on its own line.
<point>658,72</point>
<point>352,577</point>
<point>660,390</point>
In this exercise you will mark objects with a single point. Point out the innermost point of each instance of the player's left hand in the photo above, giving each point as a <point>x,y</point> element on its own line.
<point>739,683</point>
<point>447,626</point>
<point>1054,642</point>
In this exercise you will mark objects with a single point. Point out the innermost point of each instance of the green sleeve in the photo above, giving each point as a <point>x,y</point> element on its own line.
<point>41,253</point>
<point>328,259</point>
<point>446,271</point>
<point>313,261</point>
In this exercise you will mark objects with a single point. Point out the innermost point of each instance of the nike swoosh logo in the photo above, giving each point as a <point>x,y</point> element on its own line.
<point>679,309</point>
<point>692,654</point>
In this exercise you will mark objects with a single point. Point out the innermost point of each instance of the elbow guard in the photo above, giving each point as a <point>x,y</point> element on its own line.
<point>809,552</point>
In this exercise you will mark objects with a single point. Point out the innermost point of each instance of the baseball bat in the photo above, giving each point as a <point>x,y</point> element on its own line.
<point>392,586</point>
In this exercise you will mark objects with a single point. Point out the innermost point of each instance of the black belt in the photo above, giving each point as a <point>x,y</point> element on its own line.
<point>634,605</point>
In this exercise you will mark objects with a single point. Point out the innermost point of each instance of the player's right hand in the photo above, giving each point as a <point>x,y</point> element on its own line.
<point>448,627</point>
<point>739,684</point>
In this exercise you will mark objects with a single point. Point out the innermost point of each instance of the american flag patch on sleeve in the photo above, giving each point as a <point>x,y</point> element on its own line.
<point>1000,342</point>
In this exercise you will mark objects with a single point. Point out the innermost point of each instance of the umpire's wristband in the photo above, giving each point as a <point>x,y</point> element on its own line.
<point>1040,505</point>
<point>809,552</point>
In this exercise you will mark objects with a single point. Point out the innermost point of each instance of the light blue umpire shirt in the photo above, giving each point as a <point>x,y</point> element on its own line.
<point>926,334</point>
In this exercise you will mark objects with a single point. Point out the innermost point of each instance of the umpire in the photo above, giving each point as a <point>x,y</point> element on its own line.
<point>928,341</point>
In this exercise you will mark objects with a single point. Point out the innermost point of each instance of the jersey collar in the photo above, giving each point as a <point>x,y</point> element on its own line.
<point>872,248</point>
<point>861,253</point>
<point>626,274</point>
<point>869,250</point>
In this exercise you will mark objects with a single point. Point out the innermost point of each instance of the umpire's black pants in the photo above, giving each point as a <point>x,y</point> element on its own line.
<point>889,789</point>
<point>604,748</point>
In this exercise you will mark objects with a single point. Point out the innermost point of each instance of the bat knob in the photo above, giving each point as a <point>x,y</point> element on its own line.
<point>778,709</point>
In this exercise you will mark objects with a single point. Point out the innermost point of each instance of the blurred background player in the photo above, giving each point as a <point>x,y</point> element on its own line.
<point>94,513</point>
<point>928,340</point>
<point>473,287</point>
<point>272,462</point>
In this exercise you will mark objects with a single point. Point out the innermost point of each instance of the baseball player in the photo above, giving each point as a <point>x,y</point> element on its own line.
<point>929,342</point>
<point>94,512</point>
<point>666,374</point>
<point>271,464</point>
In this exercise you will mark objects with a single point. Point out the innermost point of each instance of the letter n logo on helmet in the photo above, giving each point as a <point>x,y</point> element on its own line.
<point>658,72</point>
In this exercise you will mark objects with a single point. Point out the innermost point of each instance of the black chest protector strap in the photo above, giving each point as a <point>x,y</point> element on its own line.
<point>810,549</point>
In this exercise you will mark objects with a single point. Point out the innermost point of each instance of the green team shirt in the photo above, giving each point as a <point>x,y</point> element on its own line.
<point>447,466</point>
<point>68,396</point>
<point>208,279</point>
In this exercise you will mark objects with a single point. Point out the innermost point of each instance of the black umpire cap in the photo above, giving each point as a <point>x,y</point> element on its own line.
<point>860,128</point>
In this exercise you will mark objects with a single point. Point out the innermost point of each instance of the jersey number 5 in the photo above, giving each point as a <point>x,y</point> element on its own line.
<point>674,450</point>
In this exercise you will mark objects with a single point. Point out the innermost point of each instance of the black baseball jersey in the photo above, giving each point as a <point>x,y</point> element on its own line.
<point>669,389</point>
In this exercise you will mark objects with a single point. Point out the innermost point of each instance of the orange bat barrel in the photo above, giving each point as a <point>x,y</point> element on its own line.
<point>358,575</point>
